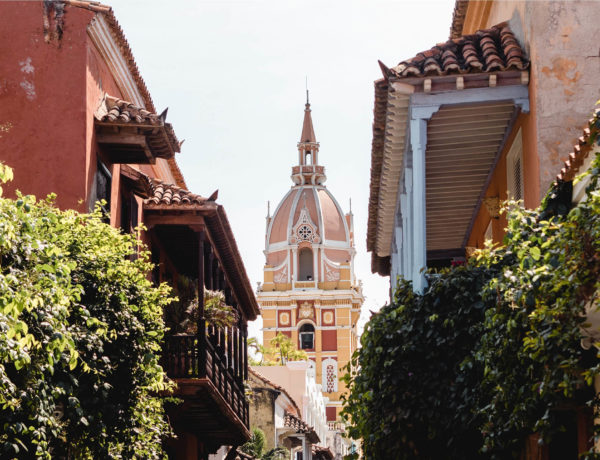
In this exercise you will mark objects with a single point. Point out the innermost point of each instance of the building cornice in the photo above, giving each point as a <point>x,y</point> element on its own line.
<point>104,41</point>
<point>394,144</point>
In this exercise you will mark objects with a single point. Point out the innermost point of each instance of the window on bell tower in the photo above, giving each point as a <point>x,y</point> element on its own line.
<point>307,337</point>
<point>305,265</point>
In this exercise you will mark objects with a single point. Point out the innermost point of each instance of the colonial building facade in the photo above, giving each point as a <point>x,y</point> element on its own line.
<point>310,292</point>
<point>77,120</point>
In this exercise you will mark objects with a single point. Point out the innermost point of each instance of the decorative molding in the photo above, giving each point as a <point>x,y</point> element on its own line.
<point>282,276</point>
<point>492,204</point>
<point>102,38</point>
<point>331,273</point>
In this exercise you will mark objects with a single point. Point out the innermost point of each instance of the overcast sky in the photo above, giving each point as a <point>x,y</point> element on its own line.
<point>233,76</point>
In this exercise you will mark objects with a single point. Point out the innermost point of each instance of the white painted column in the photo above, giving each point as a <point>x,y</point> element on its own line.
<point>295,265</point>
<point>306,449</point>
<point>403,247</point>
<point>316,257</point>
<point>418,140</point>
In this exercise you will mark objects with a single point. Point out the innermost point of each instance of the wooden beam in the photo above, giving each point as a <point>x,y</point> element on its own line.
<point>121,138</point>
<point>509,128</point>
<point>188,219</point>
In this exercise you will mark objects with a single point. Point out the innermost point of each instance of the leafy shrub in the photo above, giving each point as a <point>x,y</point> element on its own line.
<point>80,333</point>
<point>491,352</point>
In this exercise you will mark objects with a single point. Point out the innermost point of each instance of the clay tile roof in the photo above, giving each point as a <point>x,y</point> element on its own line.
<point>378,264</point>
<point>163,141</point>
<point>585,144</point>
<point>489,50</point>
<point>320,452</point>
<point>123,44</point>
<point>275,386</point>
<point>171,195</point>
<point>458,18</point>
<point>301,427</point>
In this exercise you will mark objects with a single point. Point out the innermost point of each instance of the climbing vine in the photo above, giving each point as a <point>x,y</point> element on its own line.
<point>491,352</point>
<point>80,333</point>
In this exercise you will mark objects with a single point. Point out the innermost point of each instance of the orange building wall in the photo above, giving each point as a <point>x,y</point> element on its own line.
<point>42,103</point>
<point>498,185</point>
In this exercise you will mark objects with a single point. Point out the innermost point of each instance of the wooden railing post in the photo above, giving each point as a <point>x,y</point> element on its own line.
<point>201,321</point>
<point>245,349</point>
<point>208,267</point>
<point>237,349</point>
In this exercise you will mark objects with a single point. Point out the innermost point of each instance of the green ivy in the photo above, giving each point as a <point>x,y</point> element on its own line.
<point>491,352</point>
<point>80,333</point>
<point>410,393</point>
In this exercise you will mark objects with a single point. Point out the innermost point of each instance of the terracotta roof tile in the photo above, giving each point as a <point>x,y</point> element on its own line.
<point>585,144</point>
<point>163,141</point>
<point>295,423</point>
<point>458,18</point>
<point>163,194</point>
<point>489,50</point>
<point>163,197</point>
<point>378,264</point>
<point>123,44</point>
<point>322,453</point>
<point>275,386</point>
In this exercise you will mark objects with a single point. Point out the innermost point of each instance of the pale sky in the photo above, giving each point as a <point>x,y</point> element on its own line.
<point>233,76</point>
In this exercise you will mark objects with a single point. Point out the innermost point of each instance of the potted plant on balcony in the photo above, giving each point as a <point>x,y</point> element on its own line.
<point>182,317</point>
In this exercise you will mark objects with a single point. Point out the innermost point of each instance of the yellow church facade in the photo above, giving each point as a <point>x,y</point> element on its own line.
<point>309,291</point>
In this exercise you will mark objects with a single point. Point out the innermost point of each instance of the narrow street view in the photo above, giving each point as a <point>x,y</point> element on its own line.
<point>300,230</point>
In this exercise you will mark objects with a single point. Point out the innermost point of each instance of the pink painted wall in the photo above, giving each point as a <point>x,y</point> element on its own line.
<point>293,380</point>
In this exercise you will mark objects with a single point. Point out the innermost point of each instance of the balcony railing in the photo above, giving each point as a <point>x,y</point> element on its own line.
<point>218,357</point>
<point>336,426</point>
<point>309,169</point>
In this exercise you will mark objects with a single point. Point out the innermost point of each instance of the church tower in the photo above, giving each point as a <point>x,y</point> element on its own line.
<point>310,292</point>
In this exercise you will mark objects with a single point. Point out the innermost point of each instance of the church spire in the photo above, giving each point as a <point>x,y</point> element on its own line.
<point>308,170</point>
<point>308,133</point>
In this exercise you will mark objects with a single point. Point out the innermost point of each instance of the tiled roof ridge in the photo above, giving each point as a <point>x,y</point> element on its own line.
<point>274,385</point>
<point>163,193</point>
<point>581,150</point>
<point>458,18</point>
<point>378,264</point>
<point>112,109</point>
<point>291,421</point>
<point>317,449</point>
<point>487,50</point>
<point>121,41</point>
<point>220,223</point>
<point>132,66</point>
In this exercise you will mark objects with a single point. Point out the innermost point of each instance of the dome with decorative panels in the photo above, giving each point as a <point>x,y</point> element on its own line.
<point>309,239</point>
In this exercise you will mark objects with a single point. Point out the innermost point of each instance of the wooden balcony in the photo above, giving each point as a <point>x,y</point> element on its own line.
<point>209,370</point>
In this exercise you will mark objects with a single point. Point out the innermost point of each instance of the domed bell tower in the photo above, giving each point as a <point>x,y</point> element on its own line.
<point>309,291</point>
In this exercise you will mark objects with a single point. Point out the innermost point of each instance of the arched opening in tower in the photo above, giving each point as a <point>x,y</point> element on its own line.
<point>307,336</point>
<point>305,262</point>
<point>308,158</point>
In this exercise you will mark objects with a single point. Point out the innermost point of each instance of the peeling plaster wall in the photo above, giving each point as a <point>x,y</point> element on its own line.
<point>562,39</point>
<point>43,102</point>
<point>262,410</point>
<point>566,41</point>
